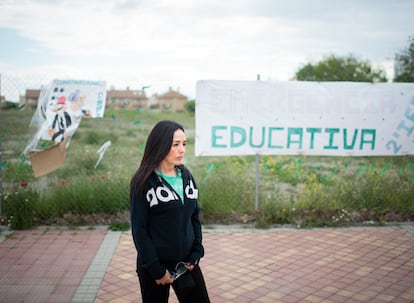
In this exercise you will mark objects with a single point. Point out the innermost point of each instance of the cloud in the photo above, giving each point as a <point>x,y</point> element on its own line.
<point>175,43</point>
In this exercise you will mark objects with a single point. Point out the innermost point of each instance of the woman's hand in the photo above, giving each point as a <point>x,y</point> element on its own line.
<point>167,279</point>
<point>189,266</point>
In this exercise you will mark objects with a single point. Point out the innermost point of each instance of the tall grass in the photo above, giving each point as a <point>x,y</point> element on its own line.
<point>227,188</point>
<point>305,191</point>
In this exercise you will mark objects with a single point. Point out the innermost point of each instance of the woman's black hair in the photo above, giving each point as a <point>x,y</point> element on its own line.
<point>157,147</point>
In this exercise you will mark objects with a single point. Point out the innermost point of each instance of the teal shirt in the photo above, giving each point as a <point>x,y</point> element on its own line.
<point>176,183</point>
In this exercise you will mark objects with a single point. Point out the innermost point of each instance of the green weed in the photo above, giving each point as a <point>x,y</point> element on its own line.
<point>302,191</point>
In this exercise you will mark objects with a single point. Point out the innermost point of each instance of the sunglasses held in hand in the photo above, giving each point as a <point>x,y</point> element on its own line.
<point>180,269</point>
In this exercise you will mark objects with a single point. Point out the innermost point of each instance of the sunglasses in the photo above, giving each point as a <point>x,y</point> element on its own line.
<point>179,270</point>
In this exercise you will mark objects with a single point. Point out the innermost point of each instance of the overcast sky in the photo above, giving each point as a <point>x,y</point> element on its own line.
<point>174,43</point>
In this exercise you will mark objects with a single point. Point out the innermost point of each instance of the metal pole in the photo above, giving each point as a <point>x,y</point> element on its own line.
<point>256,200</point>
<point>1,176</point>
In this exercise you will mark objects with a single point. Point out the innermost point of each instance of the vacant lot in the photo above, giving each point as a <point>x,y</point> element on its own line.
<point>305,191</point>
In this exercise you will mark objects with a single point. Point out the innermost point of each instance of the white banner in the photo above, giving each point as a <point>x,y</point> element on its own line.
<point>61,106</point>
<point>67,102</point>
<point>304,118</point>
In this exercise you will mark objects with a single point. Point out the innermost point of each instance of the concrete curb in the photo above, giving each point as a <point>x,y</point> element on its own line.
<point>89,287</point>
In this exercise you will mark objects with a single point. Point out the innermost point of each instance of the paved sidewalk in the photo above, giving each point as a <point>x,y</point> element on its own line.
<point>280,265</point>
<point>45,265</point>
<point>322,265</point>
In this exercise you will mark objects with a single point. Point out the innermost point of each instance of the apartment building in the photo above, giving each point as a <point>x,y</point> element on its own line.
<point>125,99</point>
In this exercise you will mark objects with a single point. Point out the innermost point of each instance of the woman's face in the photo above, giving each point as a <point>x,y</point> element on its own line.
<point>176,154</point>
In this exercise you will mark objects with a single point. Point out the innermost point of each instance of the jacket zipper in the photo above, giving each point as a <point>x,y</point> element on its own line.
<point>163,181</point>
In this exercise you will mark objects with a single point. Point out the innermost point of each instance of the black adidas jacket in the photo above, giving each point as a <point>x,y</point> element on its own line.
<point>166,231</point>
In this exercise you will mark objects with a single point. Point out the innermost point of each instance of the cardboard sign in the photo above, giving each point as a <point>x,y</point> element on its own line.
<point>48,160</point>
<point>61,106</point>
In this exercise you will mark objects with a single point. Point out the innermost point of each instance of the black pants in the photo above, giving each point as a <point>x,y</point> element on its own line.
<point>153,293</point>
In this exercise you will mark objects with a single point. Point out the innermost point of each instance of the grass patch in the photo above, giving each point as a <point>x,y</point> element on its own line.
<point>303,191</point>
<point>120,226</point>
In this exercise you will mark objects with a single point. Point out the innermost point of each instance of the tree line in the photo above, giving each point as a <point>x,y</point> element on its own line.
<point>350,68</point>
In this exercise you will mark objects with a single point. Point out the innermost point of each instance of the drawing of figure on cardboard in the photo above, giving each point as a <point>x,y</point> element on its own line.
<point>77,105</point>
<point>61,120</point>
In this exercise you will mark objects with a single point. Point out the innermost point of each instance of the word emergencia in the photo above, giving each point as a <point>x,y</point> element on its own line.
<point>307,118</point>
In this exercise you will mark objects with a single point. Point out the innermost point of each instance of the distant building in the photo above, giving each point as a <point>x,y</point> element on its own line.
<point>126,99</point>
<point>171,100</point>
<point>30,98</point>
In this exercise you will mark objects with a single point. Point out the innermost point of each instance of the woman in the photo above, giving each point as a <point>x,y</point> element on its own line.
<point>165,221</point>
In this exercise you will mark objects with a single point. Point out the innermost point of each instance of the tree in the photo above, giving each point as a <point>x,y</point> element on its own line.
<point>404,63</point>
<point>190,106</point>
<point>334,68</point>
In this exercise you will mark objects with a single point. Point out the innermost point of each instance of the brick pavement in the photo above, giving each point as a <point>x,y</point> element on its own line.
<point>329,265</point>
<point>279,265</point>
<point>45,265</point>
